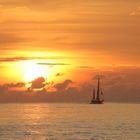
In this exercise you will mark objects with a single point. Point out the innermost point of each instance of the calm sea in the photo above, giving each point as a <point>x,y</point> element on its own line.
<point>66,121</point>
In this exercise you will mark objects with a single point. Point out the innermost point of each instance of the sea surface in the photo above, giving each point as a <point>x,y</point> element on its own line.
<point>68,121</point>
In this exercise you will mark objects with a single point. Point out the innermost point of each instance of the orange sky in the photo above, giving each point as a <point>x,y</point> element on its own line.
<point>71,39</point>
<point>80,33</point>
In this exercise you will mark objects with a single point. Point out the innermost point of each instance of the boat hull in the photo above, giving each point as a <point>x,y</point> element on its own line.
<point>97,102</point>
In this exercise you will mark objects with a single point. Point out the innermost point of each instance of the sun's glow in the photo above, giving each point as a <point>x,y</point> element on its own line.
<point>33,72</point>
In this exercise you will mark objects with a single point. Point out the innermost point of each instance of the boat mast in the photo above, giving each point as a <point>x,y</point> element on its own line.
<point>94,94</point>
<point>98,89</point>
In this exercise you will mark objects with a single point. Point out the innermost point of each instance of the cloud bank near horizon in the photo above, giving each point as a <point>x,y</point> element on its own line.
<point>121,85</point>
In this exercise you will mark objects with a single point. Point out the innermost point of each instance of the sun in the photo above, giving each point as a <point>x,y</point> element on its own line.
<point>34,71</point>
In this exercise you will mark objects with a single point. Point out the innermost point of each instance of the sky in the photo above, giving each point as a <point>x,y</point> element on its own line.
<point>67,43</point>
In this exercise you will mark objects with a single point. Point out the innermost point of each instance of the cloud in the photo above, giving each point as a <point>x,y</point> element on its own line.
<point>59,74</point>
<point>6,88</point>
<point>20,58</point>
<point>38,83</point>
<point>62,87</point>
<point>12,59</point>
<point>86,67</point>
<point>53,64</point>
<point>14,85</point>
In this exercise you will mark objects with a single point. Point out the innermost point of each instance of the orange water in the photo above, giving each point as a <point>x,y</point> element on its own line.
<point>62,121</point>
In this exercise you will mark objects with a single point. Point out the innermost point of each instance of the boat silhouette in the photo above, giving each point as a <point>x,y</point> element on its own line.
<point>97,94</point>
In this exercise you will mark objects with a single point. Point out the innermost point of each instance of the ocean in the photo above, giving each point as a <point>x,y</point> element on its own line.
<point>69,121</point>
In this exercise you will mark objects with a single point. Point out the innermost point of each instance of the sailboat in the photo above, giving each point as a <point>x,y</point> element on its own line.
<point>97,95</point>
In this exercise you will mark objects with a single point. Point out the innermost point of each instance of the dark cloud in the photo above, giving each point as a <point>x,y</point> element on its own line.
<point>53,64</point>
<point>14,85</point>
<point>62,87</point>
<point>86,67</point>
<point>59,74</point>
<point>38,83</point>
<point>14,59</point>
<point>6,88</point>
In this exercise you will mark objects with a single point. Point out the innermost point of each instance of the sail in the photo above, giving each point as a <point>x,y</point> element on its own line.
<point>98,90</point>
<point>102,93</point>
